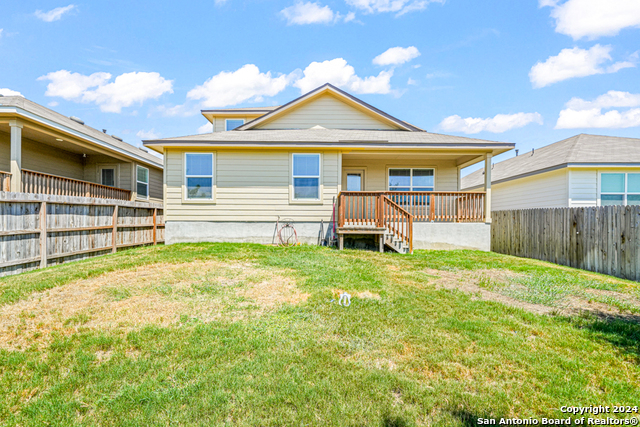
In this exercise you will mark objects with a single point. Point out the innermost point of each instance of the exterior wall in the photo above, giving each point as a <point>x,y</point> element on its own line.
<point>584,185</point>
<point>93,163</point>
<point>219,123</point>
<point>376,176</point>
<point>326,111</point>
<point>546,190</point>
<point>249,186</point>
<point>46,159</point>
<point>5,152</point>
<point>433,235</point>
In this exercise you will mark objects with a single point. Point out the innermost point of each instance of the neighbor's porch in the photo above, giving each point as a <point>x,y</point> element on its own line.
<point>38,160</point>
<point>387,194</point>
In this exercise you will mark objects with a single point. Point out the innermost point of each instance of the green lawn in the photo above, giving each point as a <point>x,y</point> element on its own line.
<point>233,334</point>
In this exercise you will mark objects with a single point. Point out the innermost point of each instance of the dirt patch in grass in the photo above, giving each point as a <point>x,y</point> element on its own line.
<point>157,294</point>
<point>509,288</point>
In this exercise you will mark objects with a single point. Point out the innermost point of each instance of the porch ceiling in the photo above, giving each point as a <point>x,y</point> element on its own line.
<point>459,158</point>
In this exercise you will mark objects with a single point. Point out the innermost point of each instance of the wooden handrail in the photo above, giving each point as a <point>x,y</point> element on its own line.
<point>5,181</point>
<point>397,220</point>
<point>43,183</point>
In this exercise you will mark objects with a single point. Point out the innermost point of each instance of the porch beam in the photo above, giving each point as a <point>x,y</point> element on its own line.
<point>16,155</point>
<point>487,187</point>
<point>471,162</point>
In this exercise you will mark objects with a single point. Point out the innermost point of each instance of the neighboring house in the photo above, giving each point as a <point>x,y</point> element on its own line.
<point>295,160</point>
<point>42,151</point>
<point>584,170</point>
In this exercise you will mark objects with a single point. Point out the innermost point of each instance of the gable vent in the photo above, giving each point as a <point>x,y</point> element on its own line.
<point>76,119</point>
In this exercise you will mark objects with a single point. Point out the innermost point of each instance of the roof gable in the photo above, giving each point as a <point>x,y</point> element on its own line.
<point>329,107</point>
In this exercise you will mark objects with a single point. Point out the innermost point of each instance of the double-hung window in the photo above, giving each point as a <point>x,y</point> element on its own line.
<point>619,189</point>
<point>142,182</point>
<point>306,176</point>
<point>199,176</point>
<point>231,124</point>
<point>411,179</point>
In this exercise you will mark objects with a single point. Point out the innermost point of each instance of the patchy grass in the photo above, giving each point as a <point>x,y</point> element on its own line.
<point>226,334</point>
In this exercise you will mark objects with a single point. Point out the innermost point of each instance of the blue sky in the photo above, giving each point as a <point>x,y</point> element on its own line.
<point>529,71</point>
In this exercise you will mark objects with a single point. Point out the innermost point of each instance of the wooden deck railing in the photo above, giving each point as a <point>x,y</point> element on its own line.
<point>5,181</point>
<point>42,183</point>
<point>397,220</point>
<point>362,207</point>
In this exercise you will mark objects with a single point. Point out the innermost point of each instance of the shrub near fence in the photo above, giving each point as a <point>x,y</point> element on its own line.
<point>601,239</point>
<point>37,230</point>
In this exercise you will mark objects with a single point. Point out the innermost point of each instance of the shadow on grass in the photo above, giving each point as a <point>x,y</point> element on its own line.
<point>620,331</point>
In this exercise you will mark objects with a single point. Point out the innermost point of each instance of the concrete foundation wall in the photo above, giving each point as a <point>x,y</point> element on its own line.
<point>426,235</point>
<point>238,232</point>
<point>434,235</point>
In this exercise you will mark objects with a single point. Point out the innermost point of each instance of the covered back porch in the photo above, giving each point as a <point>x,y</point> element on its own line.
<point>399,197</point>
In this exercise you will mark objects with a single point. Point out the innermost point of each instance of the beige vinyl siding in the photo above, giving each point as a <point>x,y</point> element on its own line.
<point>545,190</point>
<point>46,159</point>
<point>5,152</point>
<point>94,162</point>
<point>583,188</point>
<point>219,123</point>
<point>376,178</point>
<point>155,184</point>
<point>326,111</point>
<point>250,186</point>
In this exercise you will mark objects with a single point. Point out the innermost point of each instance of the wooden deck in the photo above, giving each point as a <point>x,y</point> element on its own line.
<point>391,214</point>
<point>42,183</point>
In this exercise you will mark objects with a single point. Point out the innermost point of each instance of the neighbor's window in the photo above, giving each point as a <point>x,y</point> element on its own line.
<point>108,177</point>
<point>411,179</point>
<point>306,176</point>
<point>199,176</point>
<point>231,124</point>
<point>620,189</point>
<point>142,182</point>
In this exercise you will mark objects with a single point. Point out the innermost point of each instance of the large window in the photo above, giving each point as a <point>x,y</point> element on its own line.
<point>411,179</point>
<point>231,124</point>
<point>142,182</point>
<point>306,176</point>
<point>619,189</point>
<point>199,176</point>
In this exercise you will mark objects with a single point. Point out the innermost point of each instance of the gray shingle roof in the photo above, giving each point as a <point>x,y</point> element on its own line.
<point>579,149</point>
<point>45,113</point>
<point>327,136</point>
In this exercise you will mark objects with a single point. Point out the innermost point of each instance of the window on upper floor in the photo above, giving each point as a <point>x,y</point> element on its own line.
<point>619,189</point>
<point>306,176</point>
<point>231,124</point>
<point>142,182</point>
<point>199,176</point>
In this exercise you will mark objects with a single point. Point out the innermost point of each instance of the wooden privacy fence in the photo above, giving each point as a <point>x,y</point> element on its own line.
<point>601,239</point>
<point>37,230</point>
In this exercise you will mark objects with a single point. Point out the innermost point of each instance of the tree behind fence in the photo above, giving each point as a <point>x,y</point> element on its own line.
<point>602,239</point>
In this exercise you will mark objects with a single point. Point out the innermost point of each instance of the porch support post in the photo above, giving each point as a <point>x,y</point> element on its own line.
<point>487,187</point>
<point>16,155</point>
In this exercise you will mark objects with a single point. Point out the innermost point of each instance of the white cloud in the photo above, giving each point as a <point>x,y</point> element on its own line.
<point>148,134</point>
<point>205,128</point>
<point>498,124</point>
<point>127,89</point>
<point>9,92</point>
<point>233,87</point>
<point>1,30</point>
<point>53,104</point>
<point>411,81</point>
<point>341,74</point>
<point>351,16</point>
<point>593,18</point>
<point>302,13</point>
<point>399,7</point>
<point>576,62</point>
<point>588,114</point>
<point>219,2</point>
<point>397,55</point>
<point>54,14</point>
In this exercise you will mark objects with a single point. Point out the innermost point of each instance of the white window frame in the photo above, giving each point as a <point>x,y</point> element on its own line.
<point>142,182</point>
<point>292,199</point>
<point>624,194</point>
<point>185,192</point>
<point>116,173</point>
<point>226,128</point>
<point>411,169</point>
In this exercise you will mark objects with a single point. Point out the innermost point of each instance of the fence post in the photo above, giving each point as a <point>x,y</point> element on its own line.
<point>43,234</point>
<point>114,230</point>
<point>155,225</point>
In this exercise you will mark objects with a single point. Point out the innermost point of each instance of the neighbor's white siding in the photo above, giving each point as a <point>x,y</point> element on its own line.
<point>545,190</point>
<point>326,111</point>
<point>583,188</point>
<point>250,186</point>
